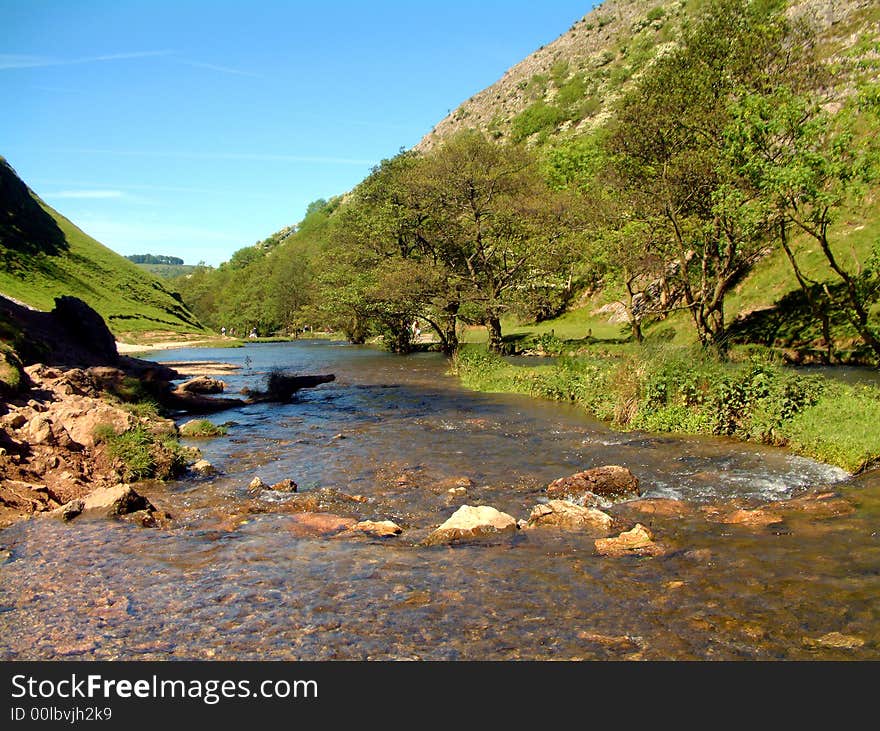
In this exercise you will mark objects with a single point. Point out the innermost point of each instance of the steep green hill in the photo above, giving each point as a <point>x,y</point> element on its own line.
<point>43,256</point>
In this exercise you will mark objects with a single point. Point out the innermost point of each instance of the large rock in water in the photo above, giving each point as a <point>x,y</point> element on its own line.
<point>570,516</point>
<point>470,523</point>
<point>609,483</point>
<point>117,500</point>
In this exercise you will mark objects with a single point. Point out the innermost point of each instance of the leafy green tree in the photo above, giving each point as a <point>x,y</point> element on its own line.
<point>808,163</point>
<point>670,142</point>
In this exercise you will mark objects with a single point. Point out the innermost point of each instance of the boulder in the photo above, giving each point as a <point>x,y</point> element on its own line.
<point>39,430</point>
<point>86,327</point>
<point>636,542</point>
<point>568,515</point>
<point>117,500</point>
<point>257,484</point>
<point>379,528</point>
<point>203,467</point>
<point>470,523</point>
<point>80,416</point>
<point>70,510</point>
<point>203,384</point>
<point>607,483</point>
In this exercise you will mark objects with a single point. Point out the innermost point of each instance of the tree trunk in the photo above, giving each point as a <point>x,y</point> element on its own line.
<point>820,310</point>
<point>496,344</point>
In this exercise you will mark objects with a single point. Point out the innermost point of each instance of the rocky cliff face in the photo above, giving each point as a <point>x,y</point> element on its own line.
<point>575,80</point>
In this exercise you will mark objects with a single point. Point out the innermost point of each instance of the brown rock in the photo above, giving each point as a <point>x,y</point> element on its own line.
<point>285,485</point>
<point>256,485</point>
<point>204,467</point>
<point>609,483</point>
<point>636,542</point>
<point>117,500</point>
<point>380,528</point>
<point>753,518</point>
<point>39,430</point>
<point>659,506</point>
<point>823,505</point>
<point>568,515</point>
<point>469,523</point>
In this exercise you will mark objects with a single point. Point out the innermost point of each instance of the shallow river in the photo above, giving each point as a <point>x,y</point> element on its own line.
<point>236,577</point>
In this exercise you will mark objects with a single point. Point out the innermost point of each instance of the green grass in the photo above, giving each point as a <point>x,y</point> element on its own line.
<point>202,429</point>
<point>43,255</point>
<point>680,390</point>
<point>141,454</point>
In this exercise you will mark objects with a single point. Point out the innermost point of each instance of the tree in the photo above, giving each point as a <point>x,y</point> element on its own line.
<point>489,219</point>
<point>669,145</point>
<point>808,163</point>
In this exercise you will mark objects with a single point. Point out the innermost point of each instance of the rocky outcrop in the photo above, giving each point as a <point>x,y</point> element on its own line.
<point>638,541</point>
<point>470,523</point>
<point>596,487</point>
<point>570,516</point>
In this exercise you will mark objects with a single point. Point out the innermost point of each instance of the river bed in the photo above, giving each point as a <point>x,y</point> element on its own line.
<point>236,578</point>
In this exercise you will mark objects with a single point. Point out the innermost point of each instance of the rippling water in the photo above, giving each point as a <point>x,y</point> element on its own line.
<point>234,578</point>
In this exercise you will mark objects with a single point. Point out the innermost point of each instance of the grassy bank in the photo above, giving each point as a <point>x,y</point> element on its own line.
<point>681,390</point>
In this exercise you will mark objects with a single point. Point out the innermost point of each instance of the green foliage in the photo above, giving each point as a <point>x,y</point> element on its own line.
<point>142,454</point>
<point>539,116</point>
<point>202,429</point>
<point>154,259</point>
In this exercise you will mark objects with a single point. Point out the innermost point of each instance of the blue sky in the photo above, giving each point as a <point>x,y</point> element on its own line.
<point>196,128</point>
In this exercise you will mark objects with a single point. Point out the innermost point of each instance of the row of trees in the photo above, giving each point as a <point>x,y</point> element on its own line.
<point>463,234</point>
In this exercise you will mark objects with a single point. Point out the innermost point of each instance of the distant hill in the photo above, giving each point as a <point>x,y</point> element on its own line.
<point>43,256</point>
<point>167,271</point>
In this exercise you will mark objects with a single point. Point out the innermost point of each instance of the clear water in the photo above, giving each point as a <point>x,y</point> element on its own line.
<point>237,578</point>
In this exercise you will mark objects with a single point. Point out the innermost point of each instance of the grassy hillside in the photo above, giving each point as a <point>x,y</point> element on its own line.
<point>43,256</point>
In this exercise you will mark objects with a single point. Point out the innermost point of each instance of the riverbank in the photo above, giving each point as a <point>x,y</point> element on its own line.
<point>685,392</point>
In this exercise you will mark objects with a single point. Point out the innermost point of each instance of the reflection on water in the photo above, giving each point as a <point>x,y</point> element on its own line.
<point>232,580</point>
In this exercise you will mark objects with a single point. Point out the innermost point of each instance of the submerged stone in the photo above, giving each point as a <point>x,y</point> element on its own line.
<point>638,541</point>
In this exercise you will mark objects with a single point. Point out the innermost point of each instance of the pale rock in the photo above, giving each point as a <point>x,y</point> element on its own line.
<point>379,528</point>
<point>568,515</point>
<point>470,523</point>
